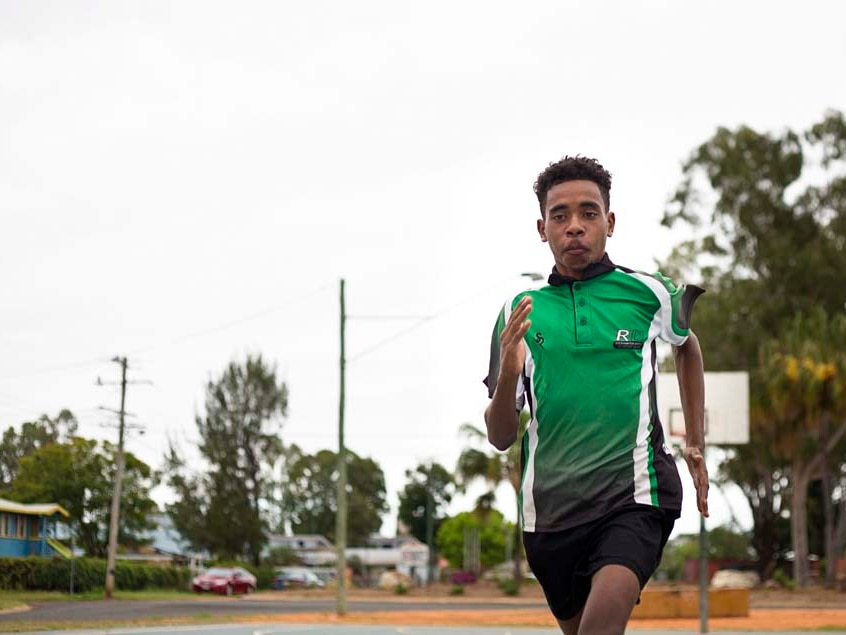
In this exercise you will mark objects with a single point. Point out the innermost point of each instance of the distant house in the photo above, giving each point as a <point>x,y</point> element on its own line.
<point>164,545</point>
<point>314,550</point>
<point>30,529</point>
<point>405,554</point>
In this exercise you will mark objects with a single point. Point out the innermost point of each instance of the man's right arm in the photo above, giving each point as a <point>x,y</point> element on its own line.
<point>501,417</point>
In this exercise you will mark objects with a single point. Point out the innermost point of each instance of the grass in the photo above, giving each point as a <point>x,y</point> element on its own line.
<point>24,625</point>
<point>9,603</point>
<point>17,599</point>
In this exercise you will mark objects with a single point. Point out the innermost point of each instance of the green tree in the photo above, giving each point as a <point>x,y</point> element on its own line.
<point>768,213</point>
<point>429,490</point>
<point>724,543</point>
<point>282,557</point>
<point>33,435</point>
<point>310,495</point>
<point>805,399</point>
<point>763,478</point>
<point>492,530</point>
<point>224,509</point>
<point>494,468</point>
<point>79,476</point>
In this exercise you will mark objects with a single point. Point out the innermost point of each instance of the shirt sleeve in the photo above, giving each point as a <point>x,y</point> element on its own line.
<point>493,364</point>
<point>676,309</point>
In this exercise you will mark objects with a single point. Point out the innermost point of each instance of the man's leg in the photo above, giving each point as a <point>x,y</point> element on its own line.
<point>571,626</point>
<point>613,594</point>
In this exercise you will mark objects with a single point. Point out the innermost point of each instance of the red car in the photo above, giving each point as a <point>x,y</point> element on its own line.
<point>225,580</point>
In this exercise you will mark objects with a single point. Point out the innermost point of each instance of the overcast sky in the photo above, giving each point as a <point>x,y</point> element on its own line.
<point>185,183</point>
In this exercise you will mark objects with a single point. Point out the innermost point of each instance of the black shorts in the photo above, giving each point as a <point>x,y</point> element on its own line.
<point>564,561</point>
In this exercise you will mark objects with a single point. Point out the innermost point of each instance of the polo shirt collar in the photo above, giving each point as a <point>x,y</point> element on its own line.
<point>593,270</point>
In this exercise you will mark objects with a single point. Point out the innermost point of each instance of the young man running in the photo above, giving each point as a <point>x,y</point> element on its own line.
<point>600,490</point>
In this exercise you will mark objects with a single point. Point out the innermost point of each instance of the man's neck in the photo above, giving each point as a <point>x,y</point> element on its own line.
<point>594,269</point>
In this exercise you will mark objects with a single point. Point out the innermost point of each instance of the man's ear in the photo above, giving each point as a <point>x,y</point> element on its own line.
<point>612,220</point>
<point>542,229</point>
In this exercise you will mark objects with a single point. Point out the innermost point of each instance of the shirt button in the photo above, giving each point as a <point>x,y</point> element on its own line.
<point>583,321</point>
<point>582,302</point>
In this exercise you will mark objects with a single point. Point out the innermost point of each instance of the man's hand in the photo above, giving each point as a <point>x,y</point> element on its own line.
<point>512,352</point>
<point>696,464</point>
<point>500,415</point>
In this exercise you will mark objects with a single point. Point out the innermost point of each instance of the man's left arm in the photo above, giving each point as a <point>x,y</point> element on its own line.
<point>691,376</point>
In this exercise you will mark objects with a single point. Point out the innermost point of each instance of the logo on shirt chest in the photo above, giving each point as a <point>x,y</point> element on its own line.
<point>629,338</point>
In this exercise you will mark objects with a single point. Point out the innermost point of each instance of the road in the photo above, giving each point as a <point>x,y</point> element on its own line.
<point>127,610</point>
<point>232,615</point>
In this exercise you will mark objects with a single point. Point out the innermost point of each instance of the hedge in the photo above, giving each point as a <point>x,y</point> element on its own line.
<point>53,574</point>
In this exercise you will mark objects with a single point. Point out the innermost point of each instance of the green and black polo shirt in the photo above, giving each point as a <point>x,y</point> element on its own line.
<point>594,442</point>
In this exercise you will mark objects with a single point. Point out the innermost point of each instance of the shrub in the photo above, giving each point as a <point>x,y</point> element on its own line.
<point>264,575</point>
<point>784,580</point>
<point>400,589</point>
<point>463,577</point>
<point>457,589</point>
<point>54,574</point>
<point>509,586</point>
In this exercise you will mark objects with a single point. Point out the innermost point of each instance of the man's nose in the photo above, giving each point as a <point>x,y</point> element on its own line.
<point>575,228</point>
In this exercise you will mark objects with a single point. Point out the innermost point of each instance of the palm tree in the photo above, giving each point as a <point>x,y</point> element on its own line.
<point>494,468</point>
<point>804,402</point>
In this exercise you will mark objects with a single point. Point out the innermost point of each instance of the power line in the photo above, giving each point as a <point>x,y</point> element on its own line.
<point>179,339</point>
<point>235,322</point>
<point>421,321</point>
<point>58,368</point>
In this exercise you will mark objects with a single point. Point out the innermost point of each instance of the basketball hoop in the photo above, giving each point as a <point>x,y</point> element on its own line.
<point>726,408</point>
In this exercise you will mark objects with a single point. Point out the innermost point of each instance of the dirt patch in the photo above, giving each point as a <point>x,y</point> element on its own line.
<point>770,610</point>
<point>758,620</point>
<point>815,597</point>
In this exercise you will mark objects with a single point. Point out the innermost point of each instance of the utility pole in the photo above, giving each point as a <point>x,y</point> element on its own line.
<point>113,521</point>
<point>341,518</point>
<point>119,468</point>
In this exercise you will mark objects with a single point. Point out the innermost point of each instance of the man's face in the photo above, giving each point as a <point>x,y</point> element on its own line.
<point>576,226</point>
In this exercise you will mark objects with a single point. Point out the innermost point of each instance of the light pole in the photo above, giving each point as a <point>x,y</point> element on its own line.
<point>341,518</point>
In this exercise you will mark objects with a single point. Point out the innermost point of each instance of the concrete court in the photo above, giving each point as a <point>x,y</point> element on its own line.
<point>359,629</point>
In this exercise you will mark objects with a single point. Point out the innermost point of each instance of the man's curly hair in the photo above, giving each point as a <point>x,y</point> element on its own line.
<point>575,168</point>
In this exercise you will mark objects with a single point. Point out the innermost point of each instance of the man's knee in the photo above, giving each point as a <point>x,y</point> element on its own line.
<point>619,579</point>
<point>613,594</point>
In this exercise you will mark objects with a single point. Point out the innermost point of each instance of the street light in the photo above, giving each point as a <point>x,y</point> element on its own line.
<point>533,275</point>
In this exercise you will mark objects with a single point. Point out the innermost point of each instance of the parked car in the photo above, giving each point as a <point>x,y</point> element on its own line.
<point>296,578</point>
<point>225,580</point>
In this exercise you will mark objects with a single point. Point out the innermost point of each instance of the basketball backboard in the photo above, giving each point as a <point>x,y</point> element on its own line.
<point>726,408</point>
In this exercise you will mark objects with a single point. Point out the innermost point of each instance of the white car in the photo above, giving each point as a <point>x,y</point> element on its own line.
<point>296,578</point>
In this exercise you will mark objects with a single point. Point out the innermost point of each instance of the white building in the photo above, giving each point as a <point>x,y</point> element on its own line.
<point>404,554</point>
